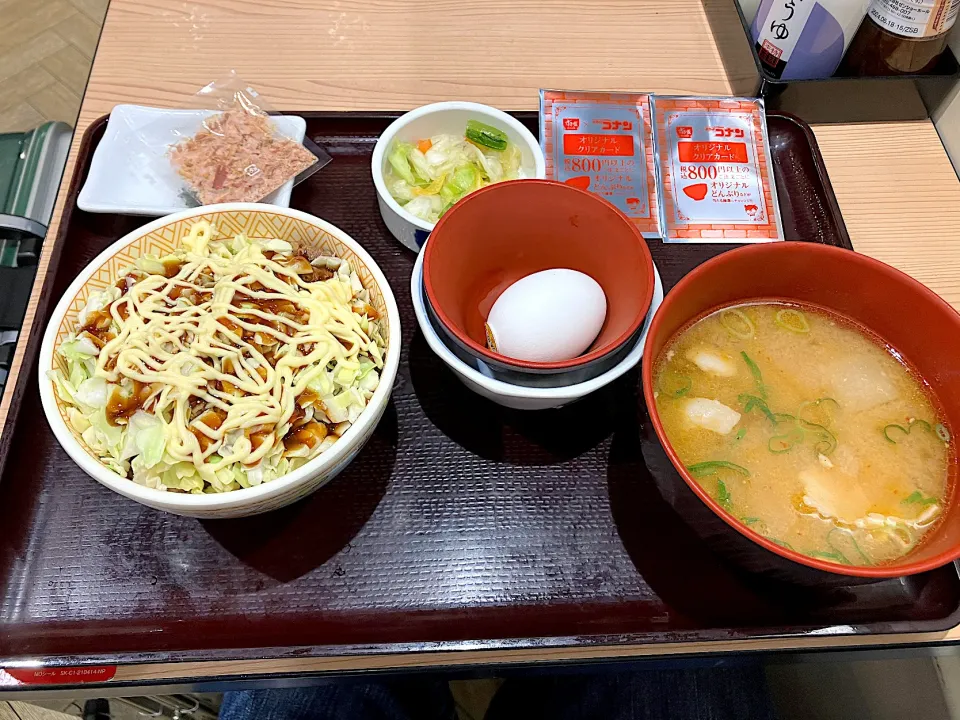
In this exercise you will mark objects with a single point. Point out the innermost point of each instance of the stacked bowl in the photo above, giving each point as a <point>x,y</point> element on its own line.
<point>505,232</point>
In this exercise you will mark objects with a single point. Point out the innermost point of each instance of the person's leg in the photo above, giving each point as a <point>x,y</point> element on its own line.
<point>694,694</point>
<point>410,699</point>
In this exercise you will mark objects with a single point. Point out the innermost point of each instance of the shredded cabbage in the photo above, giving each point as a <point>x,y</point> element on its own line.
<point>429,183</point>
<point>144,446</point>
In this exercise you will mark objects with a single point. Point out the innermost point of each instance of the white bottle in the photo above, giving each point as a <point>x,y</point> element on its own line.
<point>805,39</point>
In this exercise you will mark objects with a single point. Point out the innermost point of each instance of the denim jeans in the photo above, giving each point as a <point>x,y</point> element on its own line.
<point>688,694</point>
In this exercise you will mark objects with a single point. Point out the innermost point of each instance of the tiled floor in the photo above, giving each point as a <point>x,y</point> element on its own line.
<point>46,49</point>
<point>51,711</point>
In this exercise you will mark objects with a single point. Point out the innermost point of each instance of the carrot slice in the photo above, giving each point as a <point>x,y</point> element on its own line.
<point>424,145</point>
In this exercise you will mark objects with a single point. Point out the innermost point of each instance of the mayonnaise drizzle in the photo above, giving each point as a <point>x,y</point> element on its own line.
<point>204,350</point>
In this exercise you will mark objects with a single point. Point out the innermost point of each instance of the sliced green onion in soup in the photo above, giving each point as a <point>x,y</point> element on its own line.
<point>781,543</point>
<point>893,428</point>
<point>942,432</point>
<point>887,429</point>
<point>673,384</point>
<point>737,323</point>
<point>825,445</point>
<point>792,320</point>
<point>918,498</point>
<point>817,404</point>
<point>723,496</point>
<point>712,467</point>
<point>752,401</point>
<point>835,556</point>
<point>853,541</point>
<point>826,441</point>
<point>780,444</point>
<point>757,375</point>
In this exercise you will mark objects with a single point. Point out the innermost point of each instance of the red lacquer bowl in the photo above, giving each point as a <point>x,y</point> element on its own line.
<point>908,316</point>
<point>504,232</point>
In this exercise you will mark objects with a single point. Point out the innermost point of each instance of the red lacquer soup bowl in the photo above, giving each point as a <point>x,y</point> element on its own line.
<point>504,232</point>
<point>897,309</point>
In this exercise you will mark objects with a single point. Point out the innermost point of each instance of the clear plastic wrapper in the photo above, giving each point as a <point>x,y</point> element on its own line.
<point>716,176</point>
<point>603,142</point>
<point>228,145</point>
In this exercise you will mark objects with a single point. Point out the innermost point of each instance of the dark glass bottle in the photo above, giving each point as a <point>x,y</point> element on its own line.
<point>900,37</point>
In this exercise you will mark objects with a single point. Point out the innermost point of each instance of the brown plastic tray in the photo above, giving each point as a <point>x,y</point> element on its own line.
<point>461,524</point>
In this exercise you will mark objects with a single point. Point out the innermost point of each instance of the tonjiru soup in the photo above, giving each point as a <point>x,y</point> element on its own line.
<point>807,429</point>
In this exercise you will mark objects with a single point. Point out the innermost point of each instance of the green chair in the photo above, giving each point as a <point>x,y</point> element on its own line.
<point>31,165</point>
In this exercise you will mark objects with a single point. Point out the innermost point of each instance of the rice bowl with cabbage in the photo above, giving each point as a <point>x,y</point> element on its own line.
<point>226,364</point>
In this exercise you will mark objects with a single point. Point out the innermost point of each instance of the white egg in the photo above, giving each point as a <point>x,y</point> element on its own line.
<point>549,316</point>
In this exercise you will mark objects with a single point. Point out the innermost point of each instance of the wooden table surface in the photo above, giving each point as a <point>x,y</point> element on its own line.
<point>898,192</point>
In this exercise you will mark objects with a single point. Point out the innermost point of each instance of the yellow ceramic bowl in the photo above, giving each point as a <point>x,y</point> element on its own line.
<point>162,237</point>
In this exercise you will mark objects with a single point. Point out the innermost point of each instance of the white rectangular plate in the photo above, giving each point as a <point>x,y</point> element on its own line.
<point>130,173</point>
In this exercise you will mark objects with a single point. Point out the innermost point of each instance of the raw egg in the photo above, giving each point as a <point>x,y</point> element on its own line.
<point>549,316</point>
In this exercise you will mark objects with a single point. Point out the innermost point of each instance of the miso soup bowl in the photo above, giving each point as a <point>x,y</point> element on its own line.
<point>906,315</point>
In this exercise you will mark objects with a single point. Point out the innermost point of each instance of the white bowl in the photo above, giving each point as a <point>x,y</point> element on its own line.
<point>429,120</point>
<point>517,396</point>
<point>160,237</point>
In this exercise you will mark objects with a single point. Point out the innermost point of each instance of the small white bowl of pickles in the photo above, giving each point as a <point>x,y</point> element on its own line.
<point>429,158</point>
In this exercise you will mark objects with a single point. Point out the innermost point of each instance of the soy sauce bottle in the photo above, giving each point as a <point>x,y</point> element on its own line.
<point>805,39</point>
<point>900,37</point>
